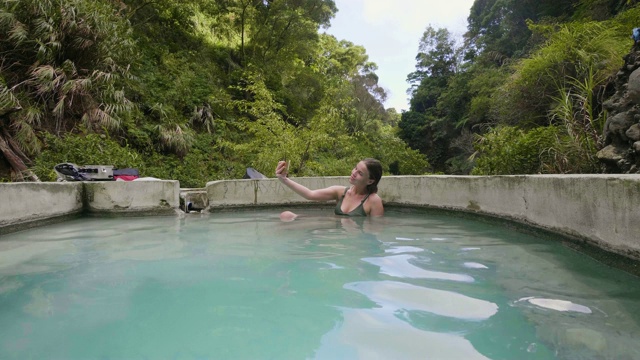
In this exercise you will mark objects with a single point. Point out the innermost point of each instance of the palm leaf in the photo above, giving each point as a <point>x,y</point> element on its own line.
<point>32,116</point>
<point>58,110</point>
<point>96,118</point>
<point>7,100</point>
<point>25,136</point>
<point>18,33</point>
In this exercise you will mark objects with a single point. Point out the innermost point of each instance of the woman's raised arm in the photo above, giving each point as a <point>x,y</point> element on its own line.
<point>326,194</point>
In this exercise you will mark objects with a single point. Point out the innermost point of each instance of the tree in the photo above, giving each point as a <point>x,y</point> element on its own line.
<point>498,28</point>
<point>602,9</point>
<point>436,59</point>
<point>437,63</point>
<point>63,67</point>
<point>414,130</point>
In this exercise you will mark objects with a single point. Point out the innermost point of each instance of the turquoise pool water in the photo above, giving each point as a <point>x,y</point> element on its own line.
<point>245,285</point>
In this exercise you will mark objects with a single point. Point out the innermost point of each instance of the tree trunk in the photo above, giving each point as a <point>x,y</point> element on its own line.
<point>16,148</point>
<point>16,162</point>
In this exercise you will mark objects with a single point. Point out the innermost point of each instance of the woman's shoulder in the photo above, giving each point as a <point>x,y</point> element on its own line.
<point>376,208</point>
<point>374,200</point>
<point>375,197</point>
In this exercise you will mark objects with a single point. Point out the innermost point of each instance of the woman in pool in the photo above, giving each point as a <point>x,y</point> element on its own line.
<point>359,199</point>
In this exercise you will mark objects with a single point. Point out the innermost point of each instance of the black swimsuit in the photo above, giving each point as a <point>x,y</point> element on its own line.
<point>358,211</point>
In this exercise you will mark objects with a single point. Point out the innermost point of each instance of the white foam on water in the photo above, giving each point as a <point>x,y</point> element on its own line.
<point>558,305</point>
<point>403,249</point>
<point>474,265</point>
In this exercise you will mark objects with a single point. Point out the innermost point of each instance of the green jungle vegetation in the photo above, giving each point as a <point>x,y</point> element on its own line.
<point>199,90</point>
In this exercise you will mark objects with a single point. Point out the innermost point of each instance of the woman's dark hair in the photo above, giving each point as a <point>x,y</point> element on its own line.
<point>375,173</point>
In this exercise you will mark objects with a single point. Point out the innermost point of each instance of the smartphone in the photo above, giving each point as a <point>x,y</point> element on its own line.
<point>287,162</point>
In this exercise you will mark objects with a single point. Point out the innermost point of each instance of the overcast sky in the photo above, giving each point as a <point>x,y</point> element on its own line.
<point>390,30</point>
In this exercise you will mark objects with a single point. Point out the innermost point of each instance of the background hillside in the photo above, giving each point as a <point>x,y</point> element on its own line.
<point>200,90</point>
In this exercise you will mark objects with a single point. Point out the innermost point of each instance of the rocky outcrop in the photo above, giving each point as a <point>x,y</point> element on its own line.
<point>621,153</point>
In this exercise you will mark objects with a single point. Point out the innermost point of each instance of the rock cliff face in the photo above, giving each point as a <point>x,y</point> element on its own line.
<point>621,153</point>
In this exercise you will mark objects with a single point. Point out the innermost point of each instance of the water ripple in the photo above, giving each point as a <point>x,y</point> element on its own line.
<point>399,266</point>
<point>398,295</point>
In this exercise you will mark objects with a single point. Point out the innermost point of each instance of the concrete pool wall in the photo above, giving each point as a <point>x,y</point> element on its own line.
<point>603,210</point>
<point>28,204</point>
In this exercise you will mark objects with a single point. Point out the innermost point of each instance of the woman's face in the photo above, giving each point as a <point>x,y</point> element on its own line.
<point>360,175</point>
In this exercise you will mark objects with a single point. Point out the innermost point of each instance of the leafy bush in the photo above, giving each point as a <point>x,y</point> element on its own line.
<point>572,51</point>
<point>509,150</point>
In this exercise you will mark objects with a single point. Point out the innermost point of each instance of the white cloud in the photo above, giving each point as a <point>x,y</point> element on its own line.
<point>413,16</point>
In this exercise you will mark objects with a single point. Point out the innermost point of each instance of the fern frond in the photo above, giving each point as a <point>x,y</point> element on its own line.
<point>42,27</point>
<point>82,43</point>
<point>7,19</point>
<point>58,110</point>
<point>25,136</point>
<point>32,116</point>
<point>102,76</point>
<point>18,33</point>
<point>96,118</point>
<point>43,73</point>
<point>7,100</point>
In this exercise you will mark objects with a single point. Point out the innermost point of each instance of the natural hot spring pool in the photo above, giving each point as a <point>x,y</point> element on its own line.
<point>243,285</point>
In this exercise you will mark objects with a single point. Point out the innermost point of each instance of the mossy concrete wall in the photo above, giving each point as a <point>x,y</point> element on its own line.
<point>27,204</point>
<point>132,197</point>
<point>601,209</point>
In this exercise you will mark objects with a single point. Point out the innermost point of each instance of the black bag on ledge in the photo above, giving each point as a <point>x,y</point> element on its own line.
<point>253,174</point>
<point>73,172</point>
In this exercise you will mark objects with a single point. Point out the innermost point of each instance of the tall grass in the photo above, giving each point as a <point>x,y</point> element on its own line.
<point>581,122</point>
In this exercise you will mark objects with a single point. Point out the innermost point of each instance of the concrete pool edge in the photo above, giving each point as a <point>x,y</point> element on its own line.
<point>29,204</point>
<point>601,210</point>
